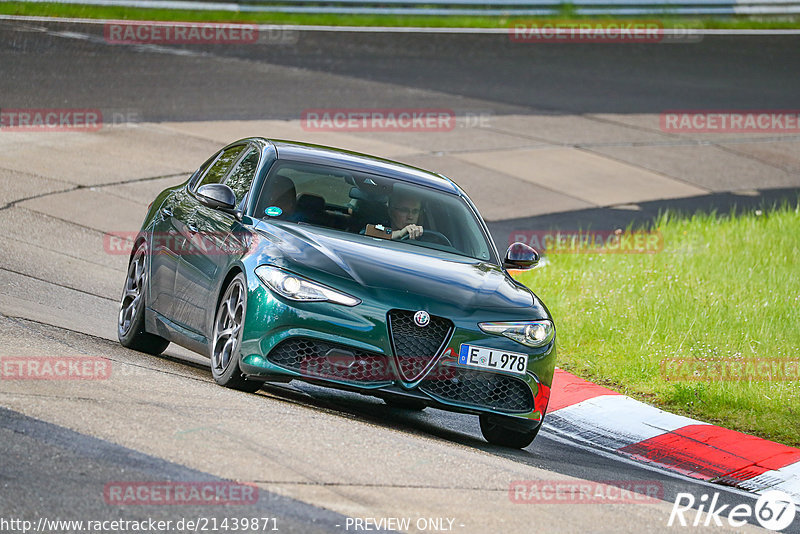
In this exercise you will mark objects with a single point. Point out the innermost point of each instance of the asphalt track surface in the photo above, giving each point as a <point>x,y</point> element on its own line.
<point>464,72</point>
<point>317,455</point>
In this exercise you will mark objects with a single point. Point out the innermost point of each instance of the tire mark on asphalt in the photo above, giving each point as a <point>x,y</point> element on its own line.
<point>56,284</point>
<point>71,397</point>
<point>129,401</point>
<point>34,197</point>
<point>22,323</point>
<point>54,251</point>
<point>139,180</point>
<point>40,176</point>
<point>77,187</point>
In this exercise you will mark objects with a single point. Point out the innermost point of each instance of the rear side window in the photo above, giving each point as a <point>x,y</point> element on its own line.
<point>221,166</point>
<point>242,176</point>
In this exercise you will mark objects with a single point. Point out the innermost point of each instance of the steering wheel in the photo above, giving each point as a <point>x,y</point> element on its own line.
<point>438,237</point>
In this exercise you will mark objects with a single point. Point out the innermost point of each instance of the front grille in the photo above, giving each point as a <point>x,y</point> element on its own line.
<point>414,346</point>
<point>321,359</point>
<point>481,390</point>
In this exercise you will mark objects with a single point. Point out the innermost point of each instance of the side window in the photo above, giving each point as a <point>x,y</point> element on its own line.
<point>220,167</point>
<point>242,176</point>
<point>204,167</point>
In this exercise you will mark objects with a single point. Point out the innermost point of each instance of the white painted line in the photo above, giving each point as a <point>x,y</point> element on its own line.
<point>401,29</point>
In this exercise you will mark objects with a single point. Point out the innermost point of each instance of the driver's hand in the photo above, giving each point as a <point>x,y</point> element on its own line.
<point>413,231</point>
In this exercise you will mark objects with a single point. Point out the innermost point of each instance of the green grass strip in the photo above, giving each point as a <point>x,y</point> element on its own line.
<point>452,21</point>
<point>724,291</point>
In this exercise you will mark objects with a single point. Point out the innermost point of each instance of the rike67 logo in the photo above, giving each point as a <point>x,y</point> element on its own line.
<point>774,510</point>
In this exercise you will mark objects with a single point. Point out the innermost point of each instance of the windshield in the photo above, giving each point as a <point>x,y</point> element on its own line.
<point>373,206</point>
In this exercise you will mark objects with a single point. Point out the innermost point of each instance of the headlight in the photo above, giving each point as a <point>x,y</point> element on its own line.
<point>294,287</point>
<point>530,333</point>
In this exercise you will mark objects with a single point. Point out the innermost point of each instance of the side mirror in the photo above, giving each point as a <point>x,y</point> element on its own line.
<point>520,256</point>
<point>217,196</point>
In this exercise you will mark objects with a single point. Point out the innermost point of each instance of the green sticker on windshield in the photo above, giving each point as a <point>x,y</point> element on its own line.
<point>273,211</point>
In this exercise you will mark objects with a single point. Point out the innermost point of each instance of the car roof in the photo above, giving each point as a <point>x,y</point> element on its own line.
<point>336,157</point>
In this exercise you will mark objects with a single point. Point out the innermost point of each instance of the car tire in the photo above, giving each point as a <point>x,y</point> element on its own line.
<point>226,338</point>
<point>130,321</point>
<point>504,436</point>
<point>405,403</point>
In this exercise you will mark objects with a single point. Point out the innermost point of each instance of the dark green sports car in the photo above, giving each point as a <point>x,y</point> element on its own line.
<point>282,260</point>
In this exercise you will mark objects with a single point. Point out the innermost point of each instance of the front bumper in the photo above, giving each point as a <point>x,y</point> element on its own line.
<point>353,349</point>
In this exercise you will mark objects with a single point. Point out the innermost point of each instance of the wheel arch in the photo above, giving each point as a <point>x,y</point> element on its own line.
<point>232,272</point>
<point>140,238</point>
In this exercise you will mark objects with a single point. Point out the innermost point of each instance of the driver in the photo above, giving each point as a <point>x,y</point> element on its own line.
<point>404,211</point>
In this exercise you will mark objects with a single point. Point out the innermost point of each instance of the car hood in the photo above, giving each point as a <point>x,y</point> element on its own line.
<point>390,270</point>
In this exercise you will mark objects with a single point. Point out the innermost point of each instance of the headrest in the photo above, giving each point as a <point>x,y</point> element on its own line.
<point>361,194</point>
<point>277,186</point>
<point>310,203</point>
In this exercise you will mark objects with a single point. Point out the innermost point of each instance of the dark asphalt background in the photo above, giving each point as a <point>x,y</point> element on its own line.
<point>77,68</point>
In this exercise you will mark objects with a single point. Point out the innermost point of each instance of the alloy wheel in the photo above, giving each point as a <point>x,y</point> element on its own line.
<point>132,293</point>
<point>227,326</point>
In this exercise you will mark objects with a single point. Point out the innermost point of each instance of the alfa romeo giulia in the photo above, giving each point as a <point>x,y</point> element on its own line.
<point>288,261</point>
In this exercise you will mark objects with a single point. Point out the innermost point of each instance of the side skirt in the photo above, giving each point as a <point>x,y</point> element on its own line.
<point>155,323</point>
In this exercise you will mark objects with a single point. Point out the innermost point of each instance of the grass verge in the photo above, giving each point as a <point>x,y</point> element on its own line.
<point>451,21</point>
<point>723,292</point>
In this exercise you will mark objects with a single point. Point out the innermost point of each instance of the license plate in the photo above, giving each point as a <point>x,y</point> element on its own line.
<point>494,359</point>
